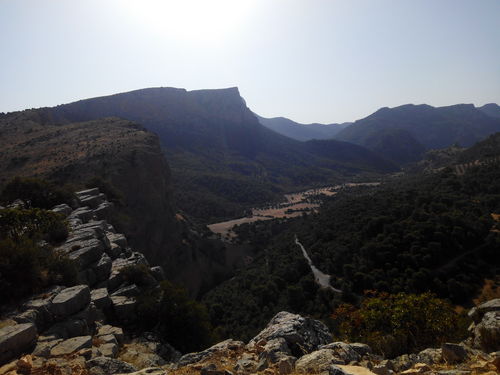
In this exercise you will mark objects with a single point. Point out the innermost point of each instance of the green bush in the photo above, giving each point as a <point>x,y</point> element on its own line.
<point>26,268</point>
<point>393,324</point>
<point>34,223</point>
<point>181,321</point>
<point>27,264</point>
<point>35,193</point>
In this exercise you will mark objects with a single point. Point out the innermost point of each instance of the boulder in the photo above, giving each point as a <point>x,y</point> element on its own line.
<point>117,238</point>
<point>158,273</point>
<point>70,327</point>
<point>109,349</point>
<point>93,201</point>
<point>100,298</point>
<point>70,300</point>
<point>63,209</point>
<point>106,330</point>
<point>286,365</point>
<point>71,345</point>
<point>114,250</point>
<point>124,307</point>
<point>302,335</point>
<point>491,305</point>
<point>430,356</point>
<point>88,192</point>
<point>83,213</point>
<point>127,291</point>
<point>361,349</point>
<point>453,353</point>
<point>487,332</point>
<point>104,209</point>
<point>222,347</point>
<point>317,361</point>
<point>87,252</point>
<point>273,350</point>
<point>16,339</point>
<point>109,366</point>
<point>355,370</point>
<point>43,348</point>
<point>102,268</point>
<point>343,351</point>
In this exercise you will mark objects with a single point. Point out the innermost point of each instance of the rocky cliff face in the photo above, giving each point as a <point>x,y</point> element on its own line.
<point>129,158</point>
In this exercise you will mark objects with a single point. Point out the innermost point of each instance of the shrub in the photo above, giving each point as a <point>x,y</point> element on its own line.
<point>35,193</point>
<point>32,223</point>
<point>393,324</point>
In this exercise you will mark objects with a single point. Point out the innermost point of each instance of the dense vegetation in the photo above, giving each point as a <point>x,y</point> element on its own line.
<point>27,264</point>
<point>168,311</point>
<point>393,324</point>
<point>415,235</point>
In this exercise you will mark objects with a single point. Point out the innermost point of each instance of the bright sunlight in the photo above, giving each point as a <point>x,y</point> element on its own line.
<point>190,20</point>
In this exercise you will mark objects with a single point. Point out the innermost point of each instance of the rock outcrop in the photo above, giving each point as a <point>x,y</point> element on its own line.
<point>65,321</point>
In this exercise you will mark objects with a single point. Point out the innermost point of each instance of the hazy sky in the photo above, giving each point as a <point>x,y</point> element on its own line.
<point>309,60</point>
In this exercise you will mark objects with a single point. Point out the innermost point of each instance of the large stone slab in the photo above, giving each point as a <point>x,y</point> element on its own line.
<point>15,340</point>
<point>87,255</point>
<point>124,307</point>
<point>71,345</point>
<point>71,300</point>
<point>303,335</point>
<point>100,298</point>
<point>91,191</point>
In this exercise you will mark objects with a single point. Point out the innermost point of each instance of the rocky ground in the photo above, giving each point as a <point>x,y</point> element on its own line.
<point>83,329</point>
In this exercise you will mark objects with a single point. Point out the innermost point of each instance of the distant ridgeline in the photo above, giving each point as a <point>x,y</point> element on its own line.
<point>402,134</point>
<point>222,159</point>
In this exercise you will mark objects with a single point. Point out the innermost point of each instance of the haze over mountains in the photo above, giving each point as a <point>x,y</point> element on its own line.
<point>402,134</point>
<point>222,158</point>
<point>302,132</point>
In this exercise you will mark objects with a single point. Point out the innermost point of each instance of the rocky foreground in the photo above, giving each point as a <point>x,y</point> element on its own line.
<point>84,329</point>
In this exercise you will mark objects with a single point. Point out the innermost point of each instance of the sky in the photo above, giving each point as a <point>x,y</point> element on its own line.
<point>309,60</point>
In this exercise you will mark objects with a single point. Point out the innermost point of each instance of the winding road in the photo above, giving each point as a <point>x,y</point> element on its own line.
<point>321,278</point>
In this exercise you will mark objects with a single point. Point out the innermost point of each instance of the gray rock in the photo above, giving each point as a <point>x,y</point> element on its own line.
<point>87,192</point>
<point>361,349</point>
<point>158,273</point>
<point>107,330</point>
<point>110,366</point>
<point>103,267</point>
<point>487,332</point>
<point>109,349</point>
<point>70,327</point>
<point>70,300</point>
<point>491,305</point>
<point>124,307</point>
<point>342,351</point>
<point>430,356</point>
<point>117,238</point>
<point>383,368</point>
<point>127,291</point>
<point>286,365</point>
<point>104,209</point>
<point>100,298</point>
<point>87,253</point>
<point>224,347</point>
<point>71,345</point>
<point>15,340</point>
<point>453,353</point>
<point>43,348</point>
<point>83,213</point>
<point>247,363</point>
<point>274,350</point>
<point>317,361</point>
<point>404,362</point>
<point>88,277</point>
<point>303,335</point>
<point>93,201</point>
<point>114,250</point>
<point>63,209</point>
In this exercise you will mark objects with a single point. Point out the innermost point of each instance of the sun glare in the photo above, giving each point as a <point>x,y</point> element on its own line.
<point>196,20</point>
